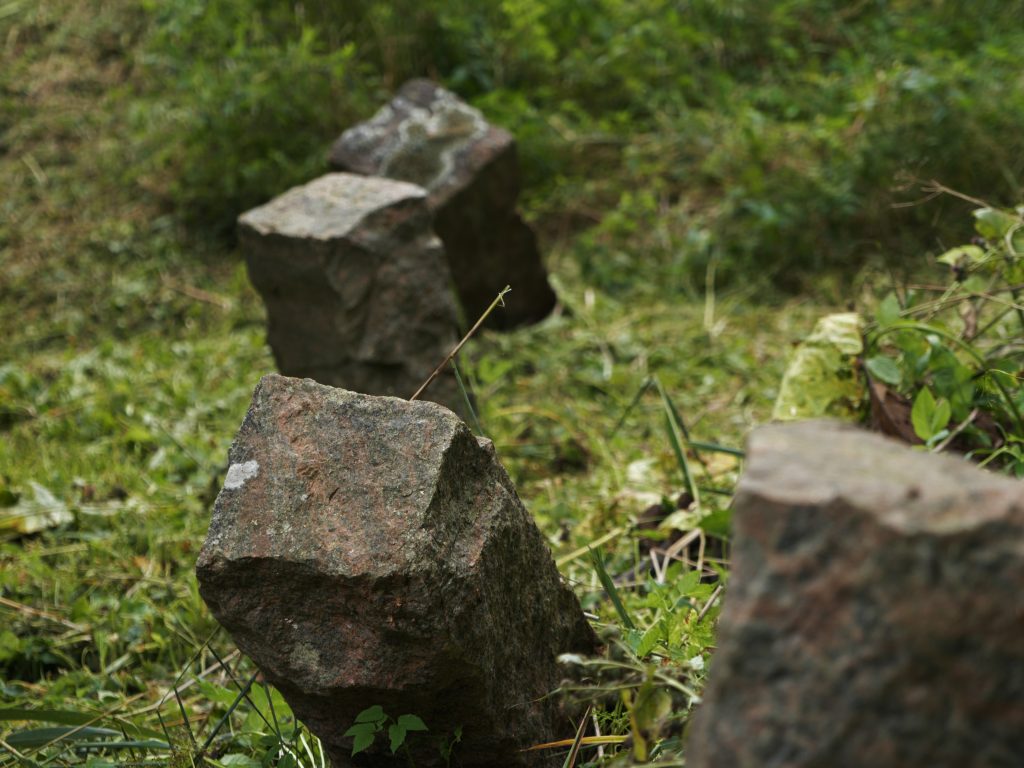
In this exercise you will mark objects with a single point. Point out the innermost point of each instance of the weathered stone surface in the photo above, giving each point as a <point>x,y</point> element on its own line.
<point>369,550</point>
<point>356,285</point>
<point>875,613</point>
<point>428,136</point>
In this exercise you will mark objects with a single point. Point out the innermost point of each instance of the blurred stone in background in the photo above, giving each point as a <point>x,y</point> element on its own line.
<point>426,135</point>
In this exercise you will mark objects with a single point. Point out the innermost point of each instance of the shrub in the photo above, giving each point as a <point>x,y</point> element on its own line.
<point>772,136</point>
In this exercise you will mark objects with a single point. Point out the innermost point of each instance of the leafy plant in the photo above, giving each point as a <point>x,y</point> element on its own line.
<point>954,351</point>
<point>373,720</point>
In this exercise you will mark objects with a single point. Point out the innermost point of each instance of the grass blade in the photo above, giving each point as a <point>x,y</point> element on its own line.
<point>38,737</point>
<point>676,435</point>
<point>469,402</point>
<point>610,589</point>
<point>62,716</point>
<point>716,448</point>
<point>574,751</point>
<point>629,408</point>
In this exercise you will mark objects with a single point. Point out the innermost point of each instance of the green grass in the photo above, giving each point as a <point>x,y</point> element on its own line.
<point>132,343</point>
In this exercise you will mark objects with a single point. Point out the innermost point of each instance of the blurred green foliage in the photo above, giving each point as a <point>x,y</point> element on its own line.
<point>767,137</point>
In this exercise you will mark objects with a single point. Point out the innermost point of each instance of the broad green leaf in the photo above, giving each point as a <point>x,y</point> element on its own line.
<point>396,734</point>
<point>37,737</point>
<point>268,710</point>
<point>217,693</point>
<point>993,224</point>
<point>69,717</point>
<point>361,728</point>
<point>63,716</point>
<point>688,583</point>
<point>888,311</point>
<point>717,523</point>
<point>361,742</point>
<point>953,380</point>
<point>941,416</point>
<point>652,705</point>
<point>922,413</point>
<point>884,369</point>
<point>650,638</point>
<point>1017,241</point>
<point>963,255</point>
<point>374,714</point>
<point>238,760</point>
<point>412,723</point>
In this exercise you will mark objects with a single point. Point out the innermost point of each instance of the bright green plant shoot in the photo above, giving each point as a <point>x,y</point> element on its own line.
<point>372,720</point>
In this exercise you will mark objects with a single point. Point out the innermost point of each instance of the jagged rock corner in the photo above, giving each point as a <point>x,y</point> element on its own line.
<point>369,550</point>
<point>428,136</point>
<point>875,613</point>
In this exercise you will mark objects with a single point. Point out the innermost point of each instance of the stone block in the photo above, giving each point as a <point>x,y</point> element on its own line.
<point>356,286</point>
<point>426,135</point>
<point>875,612</point>
<point>369,550</point>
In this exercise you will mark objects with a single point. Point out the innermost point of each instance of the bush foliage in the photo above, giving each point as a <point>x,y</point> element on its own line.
<point>771,136</point>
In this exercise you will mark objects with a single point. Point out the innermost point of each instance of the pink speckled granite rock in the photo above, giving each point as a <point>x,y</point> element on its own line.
<point>875,613</point>
<point>369,550</point>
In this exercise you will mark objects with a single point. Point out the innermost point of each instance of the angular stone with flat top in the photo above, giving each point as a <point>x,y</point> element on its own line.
<point>875,613</point>
<point>371,551</point>
<point>356,285</point>
<point>428,136</point>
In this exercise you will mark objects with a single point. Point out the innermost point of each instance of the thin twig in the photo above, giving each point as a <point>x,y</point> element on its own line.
<point>499,299</point>
<point>30,611</point>
<point>198,294</point>
<point>959,428</point>
<point>940,189</point>
<point>709,603</point>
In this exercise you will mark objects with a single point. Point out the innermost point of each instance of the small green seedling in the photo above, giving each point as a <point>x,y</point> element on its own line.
<point>372,720</point>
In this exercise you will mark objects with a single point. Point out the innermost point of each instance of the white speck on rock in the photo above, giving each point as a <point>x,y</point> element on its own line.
<point>239,473</point>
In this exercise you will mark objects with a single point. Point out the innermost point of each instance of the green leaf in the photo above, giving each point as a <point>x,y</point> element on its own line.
<point>361,742</point>
<point>361,728</point>
<point>963,255</point>
<point>923,413</point>
<point>63,716</point>
<point>688,583</point>
<point>38,737</point>
<point>717,523</point>
<point>238,760</point>
<point>993,224</point>
<point>217,693</point>
<point>888,311</point>
<point>374,714</point>
<point>884,369</point>
<point>69,717</point>
<point>412,723</point>
<point>941,416</point>
<point>650,639</point>
<point>397,735</point>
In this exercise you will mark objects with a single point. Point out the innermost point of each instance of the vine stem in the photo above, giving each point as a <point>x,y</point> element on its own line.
<point>499,299</point>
